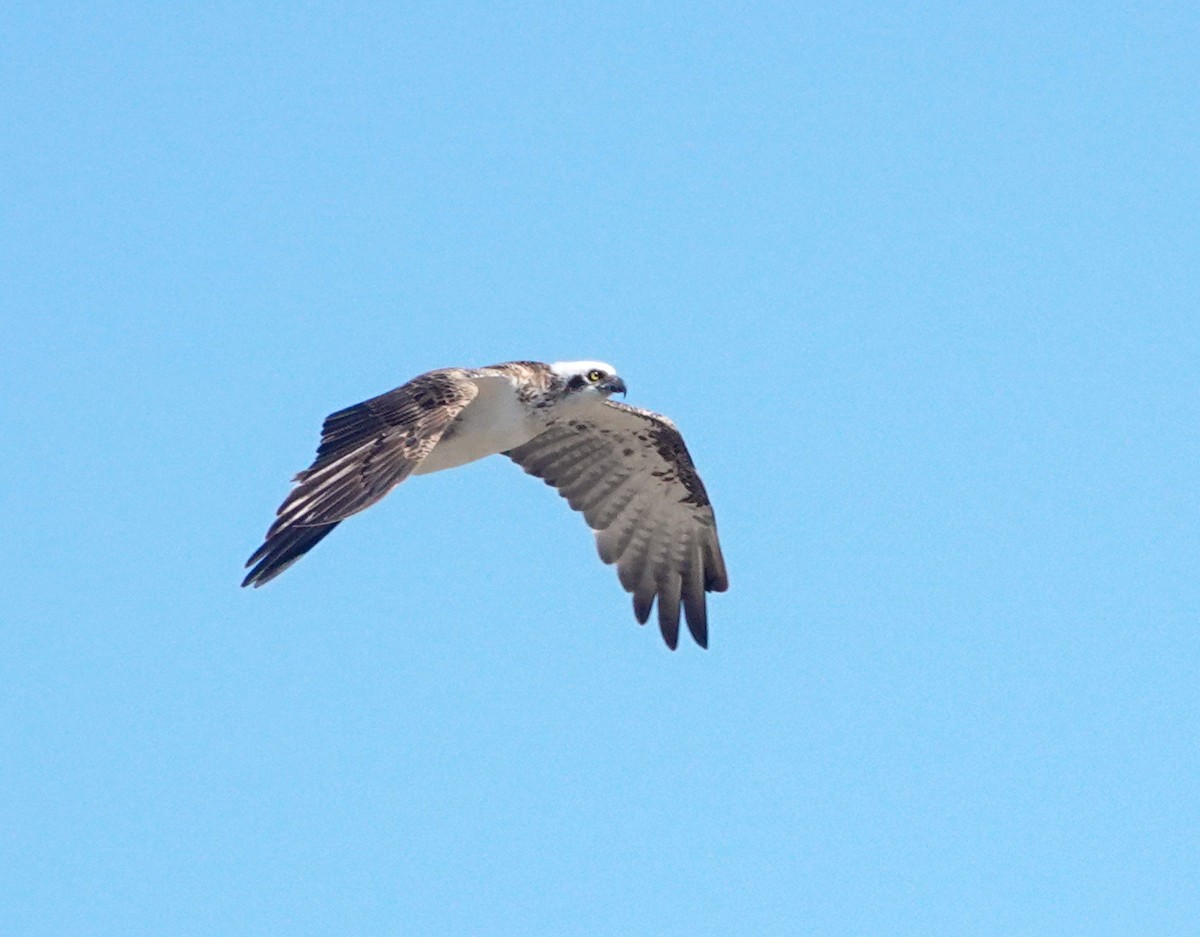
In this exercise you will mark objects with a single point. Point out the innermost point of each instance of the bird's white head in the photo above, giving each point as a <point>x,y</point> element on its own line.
<point>590,378</point>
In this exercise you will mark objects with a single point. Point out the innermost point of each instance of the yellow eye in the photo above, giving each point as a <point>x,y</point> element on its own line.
<point>593,375</point>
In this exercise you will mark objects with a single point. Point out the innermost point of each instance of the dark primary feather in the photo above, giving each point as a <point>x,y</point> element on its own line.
<point>365,451</point>
<point>282,550</point>
<point>630,474</point>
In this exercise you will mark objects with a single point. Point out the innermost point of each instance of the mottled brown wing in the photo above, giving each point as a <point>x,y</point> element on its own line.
<point>629,473</point>
<point>366,450</point>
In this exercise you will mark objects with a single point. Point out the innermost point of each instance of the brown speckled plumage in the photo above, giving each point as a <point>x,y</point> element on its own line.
<point>629,473</point>
<point>625,469</point>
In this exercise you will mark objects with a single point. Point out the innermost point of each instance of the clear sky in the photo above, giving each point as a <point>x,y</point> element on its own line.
<point>918,283</point>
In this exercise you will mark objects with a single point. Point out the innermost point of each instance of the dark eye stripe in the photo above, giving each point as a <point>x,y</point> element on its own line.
<point>576,382</point>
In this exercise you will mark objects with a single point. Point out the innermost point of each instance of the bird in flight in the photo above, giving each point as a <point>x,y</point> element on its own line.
<point>625,469</point>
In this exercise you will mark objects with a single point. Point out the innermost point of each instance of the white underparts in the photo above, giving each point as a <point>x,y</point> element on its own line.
<point>495,421</point>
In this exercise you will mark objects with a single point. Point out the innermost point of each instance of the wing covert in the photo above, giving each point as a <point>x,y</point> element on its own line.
<point>629,473</point>
<point>365,451</point>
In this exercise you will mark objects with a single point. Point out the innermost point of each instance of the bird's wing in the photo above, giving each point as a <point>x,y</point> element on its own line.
<point>366,450</point>
<point>629,473</point>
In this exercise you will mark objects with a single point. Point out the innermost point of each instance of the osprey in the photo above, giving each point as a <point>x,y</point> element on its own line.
<point>626,469</point>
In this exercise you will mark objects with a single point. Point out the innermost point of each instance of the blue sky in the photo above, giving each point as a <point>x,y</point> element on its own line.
<point>918,284</point>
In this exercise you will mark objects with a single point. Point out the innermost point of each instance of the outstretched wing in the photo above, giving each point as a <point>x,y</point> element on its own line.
<point>629,473</point>
<point>366,450</point>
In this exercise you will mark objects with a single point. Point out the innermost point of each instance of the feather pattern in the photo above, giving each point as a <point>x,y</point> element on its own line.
<point>625,469</point>
<point>630,474</point>
<point>365,451</point>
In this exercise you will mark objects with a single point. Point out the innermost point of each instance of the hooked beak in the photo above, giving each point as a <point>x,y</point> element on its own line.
<point>613,385</point>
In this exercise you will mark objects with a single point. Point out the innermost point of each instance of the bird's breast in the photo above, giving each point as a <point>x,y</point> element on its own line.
<point>494,422</point>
